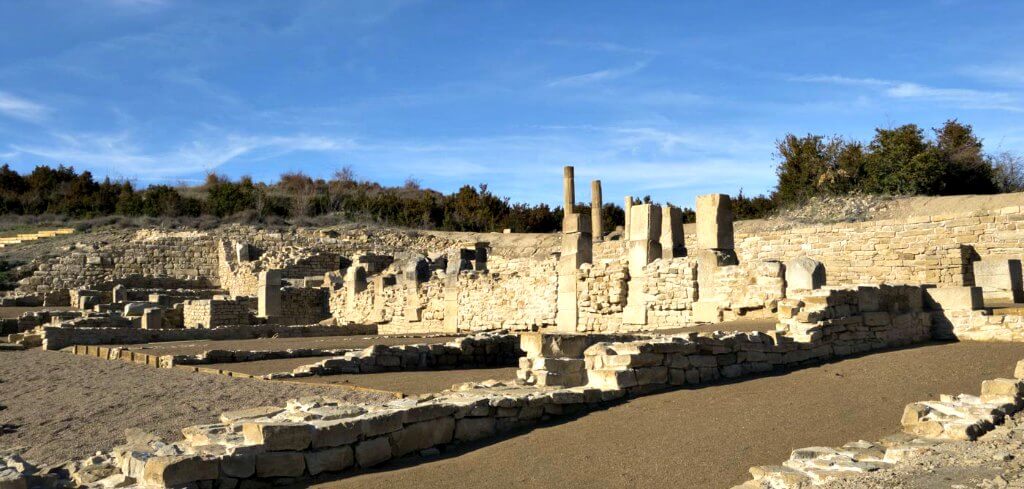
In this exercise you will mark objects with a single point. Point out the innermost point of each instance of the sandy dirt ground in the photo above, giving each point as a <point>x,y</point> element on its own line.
<point>414,383</point>
<point>59,405</point>
<point>192,347</point>
<point>708,437</point>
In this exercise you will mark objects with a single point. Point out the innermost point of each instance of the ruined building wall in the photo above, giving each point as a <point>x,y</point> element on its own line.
<point>181,259</point>
<point>304,305</point>
<point>923,249</point>
<point>518,294</point>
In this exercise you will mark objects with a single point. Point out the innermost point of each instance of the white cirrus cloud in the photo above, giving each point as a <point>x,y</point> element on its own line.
<point>597,76</point>
<point>968,98</point>
<point>21,108</point>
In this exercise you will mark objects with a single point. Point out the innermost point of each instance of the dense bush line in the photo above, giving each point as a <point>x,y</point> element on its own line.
<point>899,161</point>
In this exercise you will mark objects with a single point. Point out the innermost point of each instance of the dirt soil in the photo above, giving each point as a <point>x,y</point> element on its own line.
<point>193,347</point>
<point>414,383</point>
<point>708,437</point>
<point>60,406</point>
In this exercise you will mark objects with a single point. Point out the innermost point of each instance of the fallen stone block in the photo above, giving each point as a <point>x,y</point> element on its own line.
<point>178,470</point>
<point>275,436</point>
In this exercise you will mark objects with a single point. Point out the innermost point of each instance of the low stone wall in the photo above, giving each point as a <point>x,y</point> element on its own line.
<point>55,338</point>
<point>820,325</point>
<point>921,249</point>
<point>308,437</point>
<point>211,313</point>
<point>981,325</point>
<point>481,350</point>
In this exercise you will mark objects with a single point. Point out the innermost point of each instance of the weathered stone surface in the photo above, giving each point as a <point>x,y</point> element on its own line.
<point>330,460</point>
<point>425,434</point>
<point>177,470</point>
<point>278,435</point>
<point>953,298</point>
<point>373,451</point>
<point>805,274</point>
<point>280,464</point>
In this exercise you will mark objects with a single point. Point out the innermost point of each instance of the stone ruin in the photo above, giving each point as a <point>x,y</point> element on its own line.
<point>598,316</point>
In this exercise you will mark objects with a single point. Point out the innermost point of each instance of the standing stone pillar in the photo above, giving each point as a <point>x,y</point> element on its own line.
<point>595,211</point>
<point>714,222</point>
<point>119,294</point>
<point>673,244</point>
<point>577,249</point>
<point>355,282</point>
<point>626,206</point>
<point>268,295</point>
<point>568,190</point>
<point>715,249</point>
<point>643,247</point>
<point>152,318</point>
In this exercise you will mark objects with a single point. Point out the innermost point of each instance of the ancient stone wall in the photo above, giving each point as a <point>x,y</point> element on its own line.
<point>149,258</point>
<point>304,305</point>
<point>211,313</point>
<point>923,249</point>
<point>813,328</point>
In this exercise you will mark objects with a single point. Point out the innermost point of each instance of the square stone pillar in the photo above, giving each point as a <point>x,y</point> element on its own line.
<point>268,295</point>
<point>577,249</point>
<point>673,244</point>
<point>714,222</point>
<point>643,247</point>
<point>119,294</point>
<point>152,318</point>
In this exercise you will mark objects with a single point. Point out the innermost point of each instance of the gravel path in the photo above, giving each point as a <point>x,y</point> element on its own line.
<point>60,406</point>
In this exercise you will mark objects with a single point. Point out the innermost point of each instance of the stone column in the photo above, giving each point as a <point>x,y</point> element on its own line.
<point>569,190</point>
<point>626,206</point>
<point>268,295</point>
<point>595,211</point>
<point>673,244</point>
<point>643,247</point>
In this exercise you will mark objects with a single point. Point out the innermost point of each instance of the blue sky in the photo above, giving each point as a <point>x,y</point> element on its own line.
<point>670,99</point>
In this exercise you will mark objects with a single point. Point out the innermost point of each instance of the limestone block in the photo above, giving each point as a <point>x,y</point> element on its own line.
<point>336,433</point>
<point>373,451</point>
<point>954,298</point>
<point>804,274</point>
<point>419,436</point>
<point>178,470</point>
<point>672,241</point>
<point>645,222</point>
<point>575,223</point>
<point>996,390</point>
<point>278,435</point>
<point>1000,278</point>
<point>152,318</point>
<point>329,460</point>
<point>714,222</point>
<point>471,429</point>
<point>707,312</point>
<point>238,465</point>
<point>280,464</point>
<point>1019,371</point>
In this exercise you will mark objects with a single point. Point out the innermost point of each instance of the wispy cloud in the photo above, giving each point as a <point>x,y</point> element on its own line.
<point>119,153</point>
<point>605,46</point>
<point>21,108</point>
<point>597,76</point>
<point>961,97</point>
